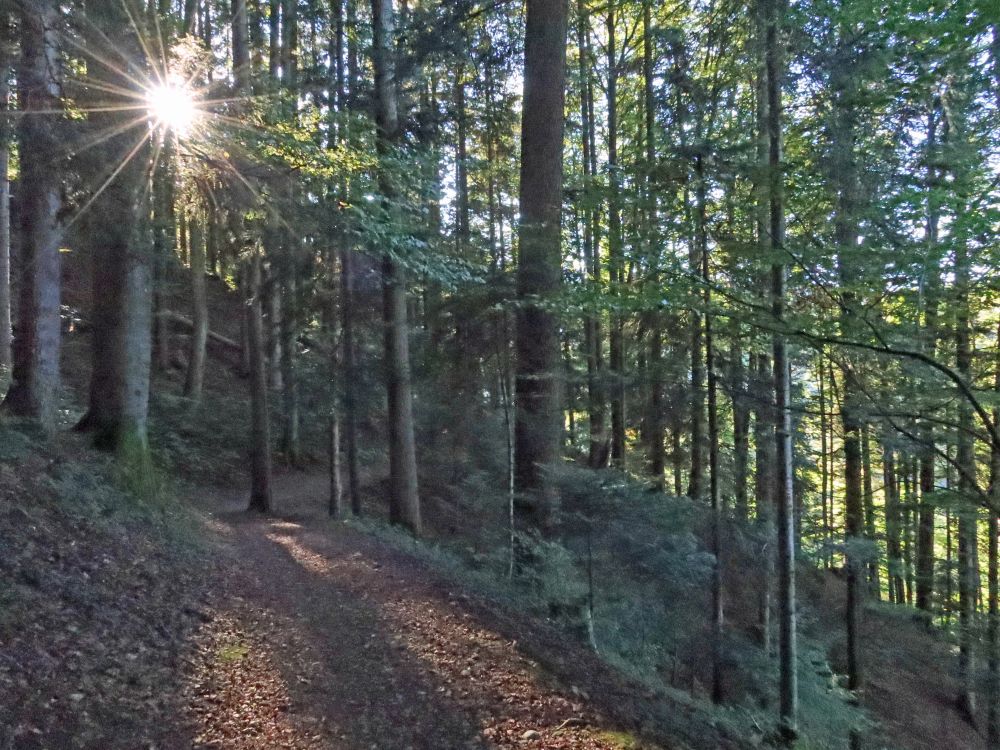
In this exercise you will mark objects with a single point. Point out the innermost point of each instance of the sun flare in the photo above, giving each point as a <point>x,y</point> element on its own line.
<point>173,107</point>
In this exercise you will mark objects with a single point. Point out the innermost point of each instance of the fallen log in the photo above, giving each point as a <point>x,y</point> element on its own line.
<point>188,325</point>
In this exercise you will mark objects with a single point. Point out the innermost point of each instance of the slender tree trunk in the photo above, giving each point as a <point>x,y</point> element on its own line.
<point>785,496</point>
<point>993,572</point>
<point>404,500</point>
<point>260,423</point>
<point>893,525</point>
<point>537,424</point>
<point>925,531</point>
<point>741,428</point>
<point>199,298</point>
<point>656,434</point>
<point>34,391</point>
<point>874,582</point>
<point>965,459</point>
<point>598,449</point>
<point>616,261</point>
<point>844,181</point>
<point>6,331</point>
<point>826,499</point>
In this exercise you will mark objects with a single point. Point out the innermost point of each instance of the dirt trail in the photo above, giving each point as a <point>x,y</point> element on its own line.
<point>323,638</point>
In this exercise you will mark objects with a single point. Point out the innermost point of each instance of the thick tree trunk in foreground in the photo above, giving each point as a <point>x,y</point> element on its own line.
<point>122,332</point>
<point>404,500</point>
<point>34,391</point>
<point>538,424</point>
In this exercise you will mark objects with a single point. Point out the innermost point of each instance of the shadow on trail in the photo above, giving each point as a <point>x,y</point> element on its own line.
<point>337,654</point>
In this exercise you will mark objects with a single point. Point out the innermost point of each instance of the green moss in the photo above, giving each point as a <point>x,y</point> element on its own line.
<point>233,652</point>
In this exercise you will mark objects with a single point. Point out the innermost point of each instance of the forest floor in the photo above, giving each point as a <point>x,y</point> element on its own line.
<point>289,631</point>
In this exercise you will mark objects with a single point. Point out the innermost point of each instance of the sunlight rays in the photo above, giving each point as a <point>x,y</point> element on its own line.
<point>172,106</point>
<point>167,94</point>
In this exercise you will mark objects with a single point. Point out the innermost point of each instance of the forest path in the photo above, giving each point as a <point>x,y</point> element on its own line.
<point>323,637</point>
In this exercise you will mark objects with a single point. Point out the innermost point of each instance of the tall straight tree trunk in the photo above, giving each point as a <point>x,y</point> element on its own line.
<point>993,572</point>
<point>199,303</point>
<point>347,297</point>
<point>844,181</point>
<point>274,39</point>
<point>785,496</point>
<point>656,434</point>
<point>6,331</point>
<point>290,422</point>
<point>741,427</point>
<point>699,389</point>
<point>537,418</point>
<point>256,348</point>
<point>826,498</point>
<point>893,524</point>
<point>715,495</point>
<point>616,260</point>
<point>241,45</point>
<point>925,528</point>
<point>598,449</point>
<point>868,489</point>
<point>121,337</point>
<point>34,391</point>
<point>260,423</point>
<point>404,500</point>
<point>965,459</point>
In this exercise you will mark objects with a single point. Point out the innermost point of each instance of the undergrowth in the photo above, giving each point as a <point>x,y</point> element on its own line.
<point>629,572</point>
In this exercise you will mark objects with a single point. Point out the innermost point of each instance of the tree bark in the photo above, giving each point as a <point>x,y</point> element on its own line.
<point>34,391</point>
<point>6,331</point>
<point>925,529</point>
<point>965,459</point>
<point>785,495</point>
<point>404,499</point>
<point>537,419</point>
<point>616,260</point>
<point>241,45</point>
<point>199,304</point>
<point>598,448</point>
<point>260,427</point>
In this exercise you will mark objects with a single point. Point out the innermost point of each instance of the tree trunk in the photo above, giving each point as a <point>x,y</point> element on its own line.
<point>925,529</point>
<point>260,423</point>
<point>598,449</point>
<point>537,419</point>
<point>34,391</point>
<point>741,428</point>
<point>290,423</point>
<point>785,496</point>
<point>993,574</point>
<point>655,431</point>
<point>241,45</point>
<point>199,305</point>
<point>965,460</point>
<point>616,261</point>
<point>874,578</point>
<point>404,500</point>
<point>6,331</point>
<point>121,337</point>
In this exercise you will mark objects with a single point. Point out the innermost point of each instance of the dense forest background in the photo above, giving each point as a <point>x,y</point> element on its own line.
<point>675,323</point>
